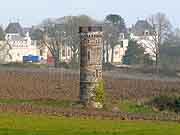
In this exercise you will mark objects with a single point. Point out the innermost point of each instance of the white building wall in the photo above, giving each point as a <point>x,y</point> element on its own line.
<point>17,53</point>
<point>22,46</point>
<point>66,54</point>
<point>119,52</point>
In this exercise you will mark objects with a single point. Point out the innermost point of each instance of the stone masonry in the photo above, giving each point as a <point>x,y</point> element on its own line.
<point>91,62</point>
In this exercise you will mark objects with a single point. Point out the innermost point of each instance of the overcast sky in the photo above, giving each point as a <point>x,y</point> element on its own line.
<point>31,12</point>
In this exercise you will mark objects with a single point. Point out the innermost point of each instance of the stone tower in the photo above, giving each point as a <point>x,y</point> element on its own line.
<point>91,62</point>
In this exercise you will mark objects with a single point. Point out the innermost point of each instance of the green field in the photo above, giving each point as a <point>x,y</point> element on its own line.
<point>16,124</point>
<point>133,107</point>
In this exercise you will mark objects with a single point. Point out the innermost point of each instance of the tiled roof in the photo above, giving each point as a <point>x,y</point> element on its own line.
<point>140,27</point>
<point>14,28</point>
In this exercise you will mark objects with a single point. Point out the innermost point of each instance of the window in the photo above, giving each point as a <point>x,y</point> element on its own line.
<point>122,44</point>
<point>89,57</point>
<point>41,52</point>
<point>63,53</point>
<point>121,35</point>
<point>98,41</point>
<point>116,52</point>
<point>146,33</point>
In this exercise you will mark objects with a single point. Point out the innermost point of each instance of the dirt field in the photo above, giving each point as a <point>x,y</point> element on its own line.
<point>64,85</point>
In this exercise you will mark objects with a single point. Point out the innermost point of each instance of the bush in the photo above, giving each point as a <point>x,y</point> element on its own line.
<point>100,92</point>
<point>177,104</point>
<point>167,103</point>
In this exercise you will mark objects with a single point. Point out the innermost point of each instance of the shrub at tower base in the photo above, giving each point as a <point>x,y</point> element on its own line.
<point>99,95</point>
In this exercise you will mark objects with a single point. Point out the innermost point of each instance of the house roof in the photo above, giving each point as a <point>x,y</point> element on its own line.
<point>140,27</point>
<point>14,28</point>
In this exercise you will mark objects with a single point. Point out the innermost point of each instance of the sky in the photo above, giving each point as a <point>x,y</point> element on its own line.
<point>32,12</point>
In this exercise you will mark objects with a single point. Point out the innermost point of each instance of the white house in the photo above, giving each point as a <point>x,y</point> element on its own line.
<point>20,46</point>
<point>119,50</point>
<point>66,54</point>
<point>19,43</point>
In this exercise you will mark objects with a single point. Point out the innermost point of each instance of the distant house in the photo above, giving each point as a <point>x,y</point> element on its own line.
<point>66,53</point>
<point>20,43</point>
<point>141,28</point>
<point>142,33</point>
<point>119,50</point>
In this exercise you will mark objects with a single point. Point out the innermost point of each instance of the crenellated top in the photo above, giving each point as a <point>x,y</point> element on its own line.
<point>88,29</point>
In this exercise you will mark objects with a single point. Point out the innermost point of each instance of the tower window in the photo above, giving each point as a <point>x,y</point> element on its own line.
<point>89,57</point>
<point>97,73</point>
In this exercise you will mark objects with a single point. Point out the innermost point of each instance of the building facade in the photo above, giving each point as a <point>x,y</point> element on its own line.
<point>20,46</point>
<point>19,43</point>
<point>119,51</point>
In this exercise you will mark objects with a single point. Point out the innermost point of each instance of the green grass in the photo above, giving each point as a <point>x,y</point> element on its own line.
<point>125,106</point>
<point>15,124</point>
<point>133,107</point>
<point>49,102</point>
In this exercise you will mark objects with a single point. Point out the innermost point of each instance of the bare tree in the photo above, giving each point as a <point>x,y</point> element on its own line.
<point>65,33</point>
<point>111,36</point>
<point>72,24</point>
<point>161,28</point>
<point>114,25</point>
<point>54,45</point>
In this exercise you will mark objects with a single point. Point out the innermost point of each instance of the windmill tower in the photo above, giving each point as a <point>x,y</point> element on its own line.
<point>91,62</point>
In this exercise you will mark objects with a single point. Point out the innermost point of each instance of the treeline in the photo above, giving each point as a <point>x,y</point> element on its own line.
<point>164,45</point>
<point>64,31</point>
